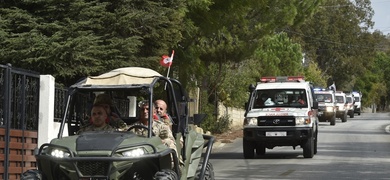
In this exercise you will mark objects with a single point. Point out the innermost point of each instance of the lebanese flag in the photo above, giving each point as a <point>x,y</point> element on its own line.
<point>166,61</point>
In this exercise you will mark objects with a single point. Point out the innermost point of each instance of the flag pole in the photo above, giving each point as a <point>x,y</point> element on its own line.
<point>169,67</point>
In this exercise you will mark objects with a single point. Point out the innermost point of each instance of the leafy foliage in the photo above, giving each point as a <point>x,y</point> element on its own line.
<point>72,39</point>
<point>220,46</point>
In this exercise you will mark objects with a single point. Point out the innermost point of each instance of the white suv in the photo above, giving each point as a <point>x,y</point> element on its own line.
<point>350,105</point>
<point>326,105</point>
<point>341,106</point>
<point>281,111</point>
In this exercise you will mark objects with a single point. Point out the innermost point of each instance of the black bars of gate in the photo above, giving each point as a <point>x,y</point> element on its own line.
<point>59,102</point>
<point>19,94</point>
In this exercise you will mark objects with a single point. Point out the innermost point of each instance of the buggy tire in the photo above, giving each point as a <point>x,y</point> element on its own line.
<point>249,149</point>
<point>260,149</point>
<point>208,174</point>
<point>166,174</point>
<point>308,148</point>
<point>32,174</point>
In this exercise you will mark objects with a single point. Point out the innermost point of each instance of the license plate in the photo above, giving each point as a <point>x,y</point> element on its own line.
<point>275,133</point>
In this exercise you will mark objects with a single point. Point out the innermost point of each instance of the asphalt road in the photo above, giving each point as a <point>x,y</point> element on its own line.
<point>356,149</point>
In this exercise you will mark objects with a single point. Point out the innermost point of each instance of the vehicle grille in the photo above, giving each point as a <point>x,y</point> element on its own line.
<point>90,168</point>
<point>276,121</point>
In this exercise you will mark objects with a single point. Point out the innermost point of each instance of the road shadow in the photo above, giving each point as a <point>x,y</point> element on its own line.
<point>268,155</point>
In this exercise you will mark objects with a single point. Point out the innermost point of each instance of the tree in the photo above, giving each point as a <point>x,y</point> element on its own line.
<point>336,38</point>
<point>72,39</point>
<point>277,55</point>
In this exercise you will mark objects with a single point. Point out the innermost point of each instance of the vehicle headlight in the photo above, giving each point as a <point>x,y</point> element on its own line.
<point>134,152</point>
<point>329,108</point>
<point>250,121</point>
<point>58,153</point>
<point>341,107</point>
<point>302,120</point>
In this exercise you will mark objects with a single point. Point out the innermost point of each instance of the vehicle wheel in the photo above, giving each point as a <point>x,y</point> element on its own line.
<point>315,142</point>
<point>260,149</point>
<point>308,148</point>
<point>333,121</point>
<point>166,174</point>
<point>249,150</point>
<point>32,174</point>
<point>208,174</point>
<point>344,118</point>
<point>352,115</point>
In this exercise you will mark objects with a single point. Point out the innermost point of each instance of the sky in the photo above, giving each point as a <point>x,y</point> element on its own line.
<point>381,15</point>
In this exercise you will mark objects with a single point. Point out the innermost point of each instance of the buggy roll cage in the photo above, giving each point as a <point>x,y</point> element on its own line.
<point>178,125</point>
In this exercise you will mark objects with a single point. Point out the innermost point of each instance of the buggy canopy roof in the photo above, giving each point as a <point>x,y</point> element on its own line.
<point>121,76</point>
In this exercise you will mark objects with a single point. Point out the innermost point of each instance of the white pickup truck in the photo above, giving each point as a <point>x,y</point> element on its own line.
<point>281,111</point>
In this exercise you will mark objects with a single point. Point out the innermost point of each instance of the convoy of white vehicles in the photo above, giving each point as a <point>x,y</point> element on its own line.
<point>286,111</point>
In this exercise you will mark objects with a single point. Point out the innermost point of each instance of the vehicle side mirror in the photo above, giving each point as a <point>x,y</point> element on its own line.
<point>251,88</point>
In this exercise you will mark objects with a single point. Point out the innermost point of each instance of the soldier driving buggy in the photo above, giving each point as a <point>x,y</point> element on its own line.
<point>123,155</point>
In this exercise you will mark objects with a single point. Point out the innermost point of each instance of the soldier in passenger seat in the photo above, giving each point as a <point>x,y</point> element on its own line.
<point>159,128</point>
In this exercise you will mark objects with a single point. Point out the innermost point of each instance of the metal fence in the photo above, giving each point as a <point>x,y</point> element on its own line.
<point>19,115</point>
<point>59,103</point>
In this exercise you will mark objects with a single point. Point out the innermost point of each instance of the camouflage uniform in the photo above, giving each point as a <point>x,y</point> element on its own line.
<point>117,122</point>
<point>91,127</point>
<point>167,120</point>
<point>159,129</point>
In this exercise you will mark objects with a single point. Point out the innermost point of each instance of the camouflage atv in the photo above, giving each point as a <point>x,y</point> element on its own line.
<point>111,155</point>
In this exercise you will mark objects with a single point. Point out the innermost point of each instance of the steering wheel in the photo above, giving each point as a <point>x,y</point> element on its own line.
<point>139,126</point>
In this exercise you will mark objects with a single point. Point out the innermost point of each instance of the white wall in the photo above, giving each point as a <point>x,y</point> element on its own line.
<point>47,128</point>
<point>236,115</point>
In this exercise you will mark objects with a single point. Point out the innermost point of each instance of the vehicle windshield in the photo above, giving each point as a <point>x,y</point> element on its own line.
<point>349,99</point>
<point>280,98</point>
<point>324,98</point>
<point>340,99</point>
<point>357,99</point>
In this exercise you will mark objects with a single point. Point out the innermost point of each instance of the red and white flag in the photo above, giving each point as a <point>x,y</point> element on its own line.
<point>166,61</point>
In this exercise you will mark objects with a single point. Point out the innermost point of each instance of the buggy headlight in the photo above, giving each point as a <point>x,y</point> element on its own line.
<point>59,153</point>
<point>302,120</point>
<point>134,152</point>
<point>250,121</point>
